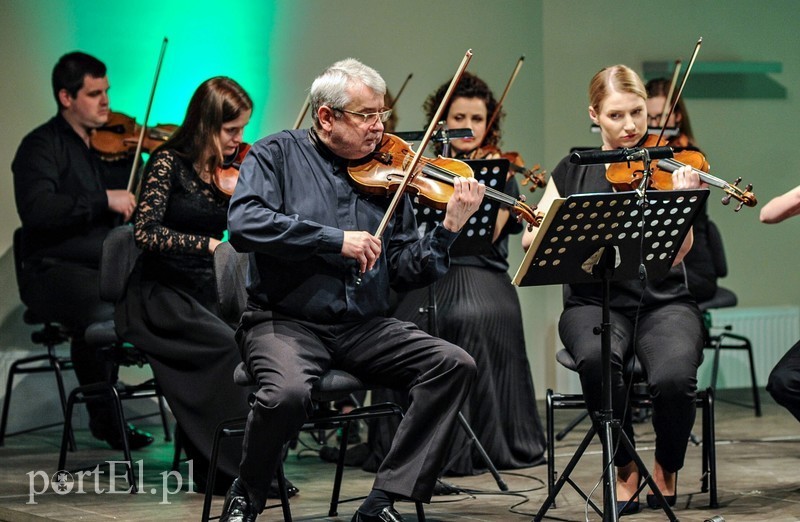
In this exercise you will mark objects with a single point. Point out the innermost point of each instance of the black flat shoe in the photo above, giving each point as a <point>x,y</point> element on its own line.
<point>627,507</point>
<point>275,492</point>
<point>387,514</point>
<point>653,502</point>
<point>137,438</point>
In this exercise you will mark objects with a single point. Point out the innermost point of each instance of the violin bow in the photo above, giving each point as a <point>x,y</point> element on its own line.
<point>135,165</point>
<point>303,111</point>
<point>496,112</point>
<point>408,175</point>
<point>673,82</point>
<point>402,88</point>
<point>680,91</point>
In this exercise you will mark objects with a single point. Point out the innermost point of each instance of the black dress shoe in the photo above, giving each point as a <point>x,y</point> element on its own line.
<point>387,514</point>
<point>237,506</point>
<point>137,438</point>
<point>275,492</point>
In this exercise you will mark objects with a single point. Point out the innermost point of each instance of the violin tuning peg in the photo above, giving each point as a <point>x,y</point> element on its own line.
<point>738,180</point>
<point>522,197</point>
<point>739,206</point>
<point>726,200</point>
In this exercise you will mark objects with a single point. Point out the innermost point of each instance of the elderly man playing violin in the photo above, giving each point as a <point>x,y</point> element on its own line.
<point>67,205</point>
<point>319,293</point>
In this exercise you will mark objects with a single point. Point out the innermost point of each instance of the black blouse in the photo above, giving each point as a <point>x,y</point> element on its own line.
<point>177,214</point>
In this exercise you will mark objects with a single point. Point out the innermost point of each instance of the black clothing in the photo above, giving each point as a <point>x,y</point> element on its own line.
<point>665,331</point>
<point>479,310</point>
<point>60,190</point>
<point>784,381</point>
<point>170,308</point>
<point>309,309</point>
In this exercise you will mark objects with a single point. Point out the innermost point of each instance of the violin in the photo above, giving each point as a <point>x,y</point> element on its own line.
<point>382,173</point>
<point>628,176</point>
<point>534,175</point>
<point>227,174</point>
<point>118,138</point>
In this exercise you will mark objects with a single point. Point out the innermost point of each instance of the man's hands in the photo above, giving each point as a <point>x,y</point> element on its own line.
<point>467,197</point>
<point>366,248</point>
<point>363,247</point>
<point>121,202</point>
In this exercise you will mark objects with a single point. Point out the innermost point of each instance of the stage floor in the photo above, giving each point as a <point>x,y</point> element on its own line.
<point>758,463</point>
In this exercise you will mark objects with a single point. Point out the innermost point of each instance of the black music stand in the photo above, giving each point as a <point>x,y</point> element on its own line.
<point>608,237</point>
<point>476,236</point>
<point>475,239</point>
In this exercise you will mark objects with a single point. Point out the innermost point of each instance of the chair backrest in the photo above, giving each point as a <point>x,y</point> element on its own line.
<point>16,246</point>
<point>717,250</point>
<point>230,275</point>
<point>116,263</point>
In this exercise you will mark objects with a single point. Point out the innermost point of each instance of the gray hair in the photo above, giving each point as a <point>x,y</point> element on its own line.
<point>330,88</point>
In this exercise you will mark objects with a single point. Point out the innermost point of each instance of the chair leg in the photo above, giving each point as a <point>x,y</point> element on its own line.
<point>333,511</point>
<point>93,392</point>
<point>715,365</point>
<point>176,454</point>
<point>287,510</point>
<point>754,384</point>
<point>549,417</point>
<point>162,409</point>
<point>712,452</point>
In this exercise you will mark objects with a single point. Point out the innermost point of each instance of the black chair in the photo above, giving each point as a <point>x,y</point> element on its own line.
<point>118,259</point>
<point>230,269</point>
<point>725,339</point>
<point>50,335</point>
<point>639,398</point>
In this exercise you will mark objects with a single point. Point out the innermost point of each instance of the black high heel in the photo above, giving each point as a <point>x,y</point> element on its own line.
<point>627,507</point>
<point>654,503</point>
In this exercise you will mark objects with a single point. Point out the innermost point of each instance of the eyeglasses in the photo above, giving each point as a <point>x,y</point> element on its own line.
<point>370,117</point>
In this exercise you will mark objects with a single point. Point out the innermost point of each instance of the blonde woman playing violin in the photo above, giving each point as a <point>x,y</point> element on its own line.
<point>659,323</point>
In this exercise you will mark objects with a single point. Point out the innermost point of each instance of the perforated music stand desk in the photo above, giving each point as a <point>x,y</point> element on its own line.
<point>476,236</point>
<point>591,238</point>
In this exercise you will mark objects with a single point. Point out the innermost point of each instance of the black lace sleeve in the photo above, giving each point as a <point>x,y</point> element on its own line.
<point>160,179</point>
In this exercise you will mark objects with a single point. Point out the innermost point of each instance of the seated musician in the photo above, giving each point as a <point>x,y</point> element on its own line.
<point>67,205</point>
<point>319,293</point>
<point>658,321</point>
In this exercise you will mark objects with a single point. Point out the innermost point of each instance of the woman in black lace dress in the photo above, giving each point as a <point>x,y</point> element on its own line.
<point>170,309</point>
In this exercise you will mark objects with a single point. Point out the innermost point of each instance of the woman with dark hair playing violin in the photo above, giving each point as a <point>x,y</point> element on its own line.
<point>170,309</point>
<point>701,272</point>
<point>478,309</point>
<point>658,321</point>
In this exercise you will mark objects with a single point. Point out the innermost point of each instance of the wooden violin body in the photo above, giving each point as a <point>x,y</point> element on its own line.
<point>628,176</point>
<point>118,138</point>
<point>227,174</point>
<point>382,173</point>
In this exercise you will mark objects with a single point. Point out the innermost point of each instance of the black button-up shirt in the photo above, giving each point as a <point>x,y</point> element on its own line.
<point>60,191</point>
<point>293,201</point>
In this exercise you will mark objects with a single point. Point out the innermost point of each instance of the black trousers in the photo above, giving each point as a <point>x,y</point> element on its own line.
<point>287,356</point>
<point>69,294</point>
<point>669,344</point>
<point>784,381</point>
